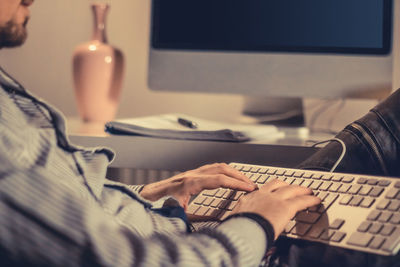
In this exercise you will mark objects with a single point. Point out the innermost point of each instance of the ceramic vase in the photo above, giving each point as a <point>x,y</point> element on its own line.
<point>98,72</point>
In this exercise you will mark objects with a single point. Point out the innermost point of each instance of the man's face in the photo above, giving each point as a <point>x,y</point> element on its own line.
<point>14,15</point>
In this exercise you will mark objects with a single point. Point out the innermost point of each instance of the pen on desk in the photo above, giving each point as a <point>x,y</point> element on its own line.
<point>187,123</point>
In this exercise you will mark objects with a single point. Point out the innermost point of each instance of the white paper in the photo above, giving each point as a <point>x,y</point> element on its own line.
<point>170,122</point>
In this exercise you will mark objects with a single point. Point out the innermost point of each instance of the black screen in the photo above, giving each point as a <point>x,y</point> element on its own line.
<point>332,26</point>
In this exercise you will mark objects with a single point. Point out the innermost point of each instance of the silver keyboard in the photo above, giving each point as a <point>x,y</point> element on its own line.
<point>357,212</point>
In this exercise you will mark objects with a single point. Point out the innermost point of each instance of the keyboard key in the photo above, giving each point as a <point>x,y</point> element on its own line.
<point>327,177</point>
<point>365,190</point>
<point>327,234</point>
<point>359,239</point>
<point>347,179</point>
<point>373,215</point>
<point>307,175</point>
<point>297,182</point>
<point>328,201</point>
<point>387,230</point>
<point>364,226</point>
<point>375,228</point>
<point>246,168</point>
<point>325,186</point>
<point>338,236</point>
<point>376,192</point>
<point>344,188</point>
<point>315,232</point>
<point>289,226</point>
<point>372,181</point>
<point>345,199</point>
<point>281,178</point>
<point>262,179</point>
<point>263,171</point>
<point>208,201</point>
<point>334,187</point>
<point>385,216</point>
<point>228,194</point>
<point>231,205</point>
<point>298,174</point>
<point>301,228</point>
<point>356,201</point>
<point>362,180</point>
<point>289,180</point>
<point>337,223</point>
<point>383,204</point>
<point>377,242</point>
<point>397,184</point>
<point>354,189</point>
<point>384,183</point>
<point>394,205</point>
<point>220,192</point>
<point>395,219</point>
<point>289,173</point>
<point>367,202</point>
<point>202,211</point>
<point>216,203</point>
<point>210,192</point>
<point>199,200</point>
<point>237,195</point>
<point>392,193</point>
<point>392,242</point>
<point>316,176</point>
<point>307,183</point>
<point>193,208</point>
<point>323,195</point>
<point>314,208</point>
<point>280,172</point>
<point>255,177</point>
<point>255,169</point>
<point>212,212</point>
<point>307,217</point>
<point>337,178</point>
<point>224,204</point>
<point>315,185</point>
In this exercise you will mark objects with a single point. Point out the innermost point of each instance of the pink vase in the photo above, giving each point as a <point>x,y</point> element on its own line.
<point>98,72</point>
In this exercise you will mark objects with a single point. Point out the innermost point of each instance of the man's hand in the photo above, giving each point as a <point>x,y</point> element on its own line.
<point>187,184</point>
<point>278,202</point>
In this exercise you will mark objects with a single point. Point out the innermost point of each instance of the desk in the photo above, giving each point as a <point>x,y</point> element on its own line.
<point>178,155</point>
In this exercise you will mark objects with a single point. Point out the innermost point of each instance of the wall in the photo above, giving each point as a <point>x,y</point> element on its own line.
<point>43,64</point>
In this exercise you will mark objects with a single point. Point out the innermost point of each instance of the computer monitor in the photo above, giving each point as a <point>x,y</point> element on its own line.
<point>290,49</point>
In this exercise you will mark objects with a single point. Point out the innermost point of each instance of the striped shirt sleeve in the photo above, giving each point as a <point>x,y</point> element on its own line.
<point>44,222</point>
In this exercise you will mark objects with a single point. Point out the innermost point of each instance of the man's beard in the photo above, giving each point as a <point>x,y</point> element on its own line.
<point>13,34</point>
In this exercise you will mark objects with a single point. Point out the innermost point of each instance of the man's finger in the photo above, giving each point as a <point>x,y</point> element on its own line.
<point>303,202</point>
<point>221,180</point>
<point>273,185</point>
<point>222,168</point>
<point>291,191</point>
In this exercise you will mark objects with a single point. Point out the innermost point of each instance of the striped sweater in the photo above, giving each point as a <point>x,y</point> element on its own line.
<point>57,208</point>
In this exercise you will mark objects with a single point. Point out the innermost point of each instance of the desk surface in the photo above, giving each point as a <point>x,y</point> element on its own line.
<point>179,155</point>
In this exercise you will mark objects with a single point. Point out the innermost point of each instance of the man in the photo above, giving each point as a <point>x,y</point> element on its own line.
<point>57,208</point>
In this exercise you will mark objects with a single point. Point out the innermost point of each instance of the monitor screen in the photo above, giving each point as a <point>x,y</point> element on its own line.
<point>330,26</point>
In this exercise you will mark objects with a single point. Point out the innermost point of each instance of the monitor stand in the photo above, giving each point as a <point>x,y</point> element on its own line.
<point>279,111</point>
